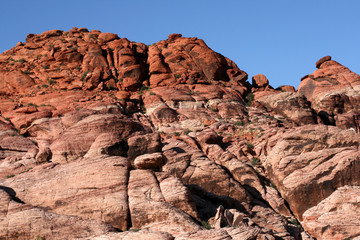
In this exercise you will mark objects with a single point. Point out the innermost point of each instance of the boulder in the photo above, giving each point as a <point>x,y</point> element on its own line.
<point>152,161</point>
<point>143,144</point>
<point>322,60</point>
<point>260,81</point>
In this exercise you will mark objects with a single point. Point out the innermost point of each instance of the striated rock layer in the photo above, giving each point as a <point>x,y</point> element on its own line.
<point>105,138</point>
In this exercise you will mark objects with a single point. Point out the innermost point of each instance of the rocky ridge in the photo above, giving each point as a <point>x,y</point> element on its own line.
<point>104,138</point>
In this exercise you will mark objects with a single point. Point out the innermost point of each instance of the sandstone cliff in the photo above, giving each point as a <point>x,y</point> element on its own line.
<point>105,138</point>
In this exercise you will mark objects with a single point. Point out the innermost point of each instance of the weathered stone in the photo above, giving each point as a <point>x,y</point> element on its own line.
<point>260,81</point>
<point>293,106</point>
<point>307,163</point>
<point>335,217</point>
<point>149,209</point>
<point>84,133</point>
<point>152,161</point>
<point>134,234</point>
<point>90,190</point>
<point>143,144</point>
<point>23,221</point>
<point>322,60</point>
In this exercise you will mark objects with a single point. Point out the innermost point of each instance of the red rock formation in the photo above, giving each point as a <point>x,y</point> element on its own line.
<point>103,132</point>
<point>336,217</point>
<point>333,91</point>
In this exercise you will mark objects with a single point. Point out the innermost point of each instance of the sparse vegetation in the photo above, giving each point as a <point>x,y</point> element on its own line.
<point>187,131</point>
<point>250,145</point>
<point>46,67</point>
<point>255,161</point>
<point>26,72</point>
<point>295,222</point>
<point>10,176</point>
<point>32,104</point>
<point>27,170</point>
<point>193,93</point>
<point>249,98</point>
<point>38,237</point>
<point>111,87</point>
<point>177,134</point>
<point>177,75</point>
<point>21,60</point>
<point>92,36</point>
<point>51,81</point>
<point>83,76</point>
<point>239,123</point>
<point>206,225</point>
<point>144,88</point>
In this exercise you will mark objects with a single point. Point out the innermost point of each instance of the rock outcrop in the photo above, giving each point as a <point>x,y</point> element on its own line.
<point>308,163</point>
<point>105,138</point>
<point>335,217</point>
<point>334,93</point>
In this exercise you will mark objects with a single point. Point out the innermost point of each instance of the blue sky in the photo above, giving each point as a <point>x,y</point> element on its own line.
<point>281,39</point>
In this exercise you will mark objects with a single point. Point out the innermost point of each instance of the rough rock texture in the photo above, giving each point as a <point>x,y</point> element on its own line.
<point>78,189</point>
<point>23,221</point>
<point>293,106</point>
<point>334,93</point>
<point>150,209</point>
<point>152,161</point>
<point>335,217</point>
<point>308,163</point>
<point>260,81</point>
<point>129,235</point>
<point>99,134</point>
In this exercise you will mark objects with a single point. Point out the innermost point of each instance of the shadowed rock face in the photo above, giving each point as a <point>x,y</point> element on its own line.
<point>99,134</point>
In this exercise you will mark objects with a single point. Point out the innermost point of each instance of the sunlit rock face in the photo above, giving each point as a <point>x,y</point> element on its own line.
<point>105,138</point>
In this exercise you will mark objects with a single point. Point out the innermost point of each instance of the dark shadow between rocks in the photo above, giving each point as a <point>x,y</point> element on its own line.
<point>11,193</point>
<point>207,202</point>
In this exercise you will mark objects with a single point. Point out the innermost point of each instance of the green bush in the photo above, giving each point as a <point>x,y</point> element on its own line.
<point>206,225</point>
<point>255,161</point>
<point>249,98</point>
<point>239,123</point>
<point>51,81</point>
<point>250,145</point>
<point>83,76</point>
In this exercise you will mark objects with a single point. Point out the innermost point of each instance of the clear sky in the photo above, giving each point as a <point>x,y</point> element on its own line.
<point>281,39</point>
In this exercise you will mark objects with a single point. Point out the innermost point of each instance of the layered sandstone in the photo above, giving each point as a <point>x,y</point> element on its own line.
<point>105,138</point>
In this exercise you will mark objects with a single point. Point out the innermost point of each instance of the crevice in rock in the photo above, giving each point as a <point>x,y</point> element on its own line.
<point>12,194</point>
<point>129,222</point>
